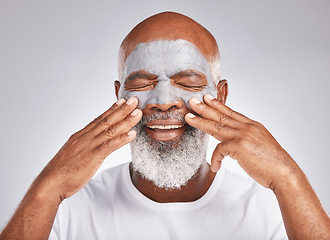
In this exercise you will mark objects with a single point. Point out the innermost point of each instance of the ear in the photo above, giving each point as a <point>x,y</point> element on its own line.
<point>222,90</point>
<point>117,86</point>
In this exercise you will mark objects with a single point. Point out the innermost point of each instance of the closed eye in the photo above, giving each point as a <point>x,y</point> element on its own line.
<point>140,81</point>
<point>191,87</point>
<point>189,80</point>
<point>141,87</point>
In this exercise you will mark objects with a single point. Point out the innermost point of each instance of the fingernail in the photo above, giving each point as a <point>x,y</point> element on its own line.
<point>135,112</point>
<point>120,102</point>
<point>131,101</point>
<point>131,133</point>
<point>209,97</point>
<point>195,100</point>
<point>190,115</point>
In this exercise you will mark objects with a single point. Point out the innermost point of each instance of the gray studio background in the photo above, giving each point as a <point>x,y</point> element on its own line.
<point>58,61</point>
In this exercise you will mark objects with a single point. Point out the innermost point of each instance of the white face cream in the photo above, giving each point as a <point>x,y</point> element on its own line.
<point>164,59</point>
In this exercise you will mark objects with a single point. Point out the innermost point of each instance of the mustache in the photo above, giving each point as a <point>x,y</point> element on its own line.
<point>169,115</point>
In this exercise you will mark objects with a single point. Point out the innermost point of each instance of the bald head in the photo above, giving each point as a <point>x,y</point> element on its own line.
<point>172,26</point>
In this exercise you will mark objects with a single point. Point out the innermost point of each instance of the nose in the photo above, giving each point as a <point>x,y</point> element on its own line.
<point>165,106</point>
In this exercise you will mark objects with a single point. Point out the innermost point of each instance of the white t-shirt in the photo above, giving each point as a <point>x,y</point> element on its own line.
<point>110,207</point>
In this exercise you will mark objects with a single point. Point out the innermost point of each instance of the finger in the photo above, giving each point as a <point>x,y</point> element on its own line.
<point>103,115</point>
<point>116,116</point>
<point>107,147</point>
<point>219,131</point>
<point>228,148</point>
<point>216,159</point>
<point>121,127</point>
<point>211,113</point>
<point>218,105</point>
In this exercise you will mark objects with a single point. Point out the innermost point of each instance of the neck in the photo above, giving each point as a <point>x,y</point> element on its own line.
<point>195,188</point>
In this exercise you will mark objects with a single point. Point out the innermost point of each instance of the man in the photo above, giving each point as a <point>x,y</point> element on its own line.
<point>171,94</point>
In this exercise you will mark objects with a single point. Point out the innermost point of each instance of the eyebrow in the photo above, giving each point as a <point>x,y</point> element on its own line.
<point>137,75</point>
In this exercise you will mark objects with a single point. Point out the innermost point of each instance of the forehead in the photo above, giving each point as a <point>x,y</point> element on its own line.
<point>165,57</point>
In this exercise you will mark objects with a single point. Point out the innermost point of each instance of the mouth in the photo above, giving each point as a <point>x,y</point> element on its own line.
<point>166,127</point>
<point>165,130</point>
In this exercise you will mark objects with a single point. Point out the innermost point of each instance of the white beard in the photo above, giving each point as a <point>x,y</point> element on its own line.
<point>168,164</point>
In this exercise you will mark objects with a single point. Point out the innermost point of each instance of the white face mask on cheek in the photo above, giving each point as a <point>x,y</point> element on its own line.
<point>164,59</point>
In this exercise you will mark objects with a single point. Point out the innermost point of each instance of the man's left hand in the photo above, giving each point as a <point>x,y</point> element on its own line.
<point>243,139</point>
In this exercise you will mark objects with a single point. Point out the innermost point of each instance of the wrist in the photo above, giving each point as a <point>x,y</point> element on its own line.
<point>42,190</point>
<point>290,179</point>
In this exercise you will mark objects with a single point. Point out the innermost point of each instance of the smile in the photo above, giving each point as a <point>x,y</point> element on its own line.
<point>165,130</point>
<point>165,126</point>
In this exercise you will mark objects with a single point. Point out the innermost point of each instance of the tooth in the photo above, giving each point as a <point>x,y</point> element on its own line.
<point>165,126</point>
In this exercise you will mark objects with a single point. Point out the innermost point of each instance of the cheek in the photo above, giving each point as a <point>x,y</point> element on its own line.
<point>186,96</point>
<point>141,96</point>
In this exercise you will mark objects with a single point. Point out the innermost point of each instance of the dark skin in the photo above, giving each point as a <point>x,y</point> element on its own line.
<point>71,169</point>
<point>262,157</point>
<point>245,140</point>
<point>189,80</point>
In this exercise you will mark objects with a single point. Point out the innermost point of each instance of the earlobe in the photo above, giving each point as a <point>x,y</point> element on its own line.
<point>222,90</point>
<point>117,86</point>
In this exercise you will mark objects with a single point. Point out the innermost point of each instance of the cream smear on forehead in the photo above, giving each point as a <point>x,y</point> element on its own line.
<point>164,59</point>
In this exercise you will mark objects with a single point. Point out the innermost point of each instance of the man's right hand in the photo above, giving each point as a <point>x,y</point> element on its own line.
<point>71,169</point>
<point>80,157</point>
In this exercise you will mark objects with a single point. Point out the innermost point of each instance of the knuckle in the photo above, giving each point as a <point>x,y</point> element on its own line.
<point>74,136</point>
<point>253,129</point>
<point>128,119</point>
<point>122,138</point>
<point>110,132</point>
<point>221,117</point>
<point>113,107</point>
<point>250,127</point>
<point>243,142</point>
<point>219,127</point>
<point>231,113</point>
<point>128,122</point>
<point>115,143</point>
<point>108,143</point>
<point>123,108</point>
<point>233,154</point>
<point>105,121</point>
<point>96,120</point>
<point>258,124</point>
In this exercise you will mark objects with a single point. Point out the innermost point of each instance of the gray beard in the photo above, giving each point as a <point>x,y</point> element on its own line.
<point>168,164</point>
